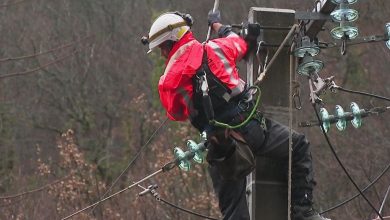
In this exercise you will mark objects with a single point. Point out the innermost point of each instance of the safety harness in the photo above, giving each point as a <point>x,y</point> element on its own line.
<point>212,96</point>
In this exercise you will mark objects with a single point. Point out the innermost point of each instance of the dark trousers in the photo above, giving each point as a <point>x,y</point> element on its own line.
<point>270,142</point>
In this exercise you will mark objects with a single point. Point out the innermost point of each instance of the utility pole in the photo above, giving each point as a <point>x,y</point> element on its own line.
<point>269,185</point>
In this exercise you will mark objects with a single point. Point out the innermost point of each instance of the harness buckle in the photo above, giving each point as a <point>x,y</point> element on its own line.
<point>246,100</point>
<point>244,105</point>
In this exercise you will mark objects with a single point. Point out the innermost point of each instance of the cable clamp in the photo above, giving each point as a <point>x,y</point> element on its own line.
<point>150,189</point>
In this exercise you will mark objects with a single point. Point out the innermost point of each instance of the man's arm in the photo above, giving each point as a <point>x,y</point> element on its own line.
<point>214,20</point>
<point>216,27</point>
<point>222,30</point>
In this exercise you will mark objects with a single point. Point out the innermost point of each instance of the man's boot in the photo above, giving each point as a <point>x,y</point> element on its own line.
<point>303,210</point>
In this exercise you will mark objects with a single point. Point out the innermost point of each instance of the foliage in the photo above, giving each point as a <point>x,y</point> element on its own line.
<point>105,91</point>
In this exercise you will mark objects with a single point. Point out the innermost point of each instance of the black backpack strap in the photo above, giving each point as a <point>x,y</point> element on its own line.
<point>216,87</point>
<point>217,98</point>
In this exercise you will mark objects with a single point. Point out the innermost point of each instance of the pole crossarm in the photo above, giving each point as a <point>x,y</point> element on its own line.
<point>324,7</point>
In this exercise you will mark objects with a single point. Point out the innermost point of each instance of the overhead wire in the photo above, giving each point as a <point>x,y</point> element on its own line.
<point>158,198</point>
<point>167,167</point>
<point>36,189</point>
<point>358,194</point>
<point>132,161</point>
<point>384,199</point>
<point>186,210</point>
<point>342,165</point>
<point>115,194</point>
<point>361,93</point>
<point>382,173</point>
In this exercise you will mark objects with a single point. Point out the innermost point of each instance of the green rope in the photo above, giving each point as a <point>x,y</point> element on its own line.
<point>224,125</point>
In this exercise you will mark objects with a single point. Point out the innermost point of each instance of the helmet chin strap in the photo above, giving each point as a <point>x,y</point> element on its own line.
<point>167,47</point>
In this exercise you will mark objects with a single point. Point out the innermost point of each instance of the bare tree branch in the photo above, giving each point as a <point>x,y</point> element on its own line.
<point>13,3</point>
<point>41,67</point>
<point>45,52</point>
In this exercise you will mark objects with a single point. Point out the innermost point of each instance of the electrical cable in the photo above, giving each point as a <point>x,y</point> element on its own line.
<point>358,194</point>
<point>342,165</point>
<point>152,190</point>
<point>361,93</point>
<point>187,210</point>
<point>166,167</point>
<point>384,199</point>
<point>41,188</point>
<point>131,162</point>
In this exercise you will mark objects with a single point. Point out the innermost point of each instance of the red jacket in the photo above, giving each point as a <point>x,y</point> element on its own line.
<point>176,85</point>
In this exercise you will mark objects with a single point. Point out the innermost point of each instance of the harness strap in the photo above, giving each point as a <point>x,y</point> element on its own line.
<point>217,87</point>
<point>218,98</point>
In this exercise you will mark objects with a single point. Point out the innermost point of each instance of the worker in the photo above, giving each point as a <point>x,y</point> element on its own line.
<point>201,83</point>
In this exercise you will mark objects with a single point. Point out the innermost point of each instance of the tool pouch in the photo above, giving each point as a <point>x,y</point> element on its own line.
<point>238,163</point>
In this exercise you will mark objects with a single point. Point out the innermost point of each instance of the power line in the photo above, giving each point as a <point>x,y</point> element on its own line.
<point>384,199</point>
<point>361,93</point>
<point>115,194</point>
<point>358,194</point>
<point>186,210</point>
<point>188,155</point>
<point>34,190</point>
<point>386,217</point>
<point>342,165</point>
<point>152,190</point>
<point>131,162</point>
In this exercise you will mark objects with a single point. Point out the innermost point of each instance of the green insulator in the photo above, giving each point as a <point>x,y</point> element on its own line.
<point>344,1</point>
<point>387,29</point>
<point>347,14</point>
<point>341,31</point>
<point>357,115</point>
<point>310,66</point>
<point>325,119</point>
<point>196,149</point>
<point>311,50</point>
<point>184,164</point>
<point>341,122</point>
<point>306,47</point>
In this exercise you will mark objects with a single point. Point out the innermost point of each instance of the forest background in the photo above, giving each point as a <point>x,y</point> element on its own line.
<point>78,100</point>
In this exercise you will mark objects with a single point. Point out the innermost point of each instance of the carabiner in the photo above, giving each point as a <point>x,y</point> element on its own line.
<point>297,101</point>
<point>343,48</point>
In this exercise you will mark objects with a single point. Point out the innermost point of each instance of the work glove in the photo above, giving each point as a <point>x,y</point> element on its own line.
<point>214,17</point>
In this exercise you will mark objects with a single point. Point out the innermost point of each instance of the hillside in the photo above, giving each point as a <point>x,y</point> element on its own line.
<point>81,102</point>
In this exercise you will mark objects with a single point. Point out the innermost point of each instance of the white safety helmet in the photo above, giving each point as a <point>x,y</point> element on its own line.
<point>168,26</point>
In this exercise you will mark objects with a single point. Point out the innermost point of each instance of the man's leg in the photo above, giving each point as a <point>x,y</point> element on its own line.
<point>276,146</point>
<point>231,195</point>
<point>302,168</point>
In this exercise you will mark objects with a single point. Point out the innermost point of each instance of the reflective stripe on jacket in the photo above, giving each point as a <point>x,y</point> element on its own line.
<point>176,85</point>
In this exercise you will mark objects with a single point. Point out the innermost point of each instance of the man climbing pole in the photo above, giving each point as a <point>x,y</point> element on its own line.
<point>201,83</point>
